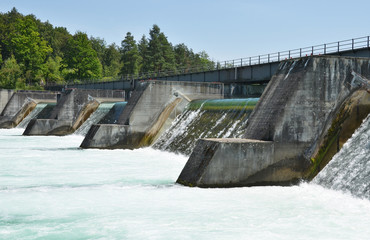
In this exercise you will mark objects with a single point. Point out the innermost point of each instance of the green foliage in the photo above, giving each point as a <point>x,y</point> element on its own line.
<point>99,45</point>
<point>7,28</point>
<point>144,54</point>
<point>111,61</point>
<point>81,59</point>
<point>157,54</point>
<point>29,48</point>
<point>10,74</point>
<point>34,53</point>
<point>52,70</point>
<point>186,59</point>
<point>130,55</point>
<point>161,55</point>
<point>60,41</point>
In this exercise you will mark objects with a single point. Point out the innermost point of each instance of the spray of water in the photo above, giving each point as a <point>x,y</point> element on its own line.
<point>349,170</point>
<point>221,118</point>
<point>102,110</point>
<point>39,107</point>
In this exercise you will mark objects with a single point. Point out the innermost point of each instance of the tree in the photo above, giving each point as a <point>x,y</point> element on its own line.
<point>161,55</point>
<point>202,60</point>
<point>111,61</point>
<point>60,42</point>
<point>183,57</point>
<point>51,70</point>
<point>29,48</point>
<point>35,52</point>
<point>10,74</point>
<point>144,54</point>
<point>130,55</point>
<point>7,28</point>
<point>81,59</point>
<point>99,45</point>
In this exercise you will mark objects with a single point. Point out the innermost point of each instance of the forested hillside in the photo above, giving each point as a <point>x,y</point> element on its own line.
<point>35,53</point>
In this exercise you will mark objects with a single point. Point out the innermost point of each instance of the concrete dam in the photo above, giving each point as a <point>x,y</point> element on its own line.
<point>309,109</point>
<point>73,108</point>
<point>19,104</point>
<point>217,118</point>
<point>152,107</point>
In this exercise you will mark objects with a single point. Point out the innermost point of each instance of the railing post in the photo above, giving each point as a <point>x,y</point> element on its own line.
<point>259,59</point>
<point>241,62</point>
<point>289,55</point>
<point>353,44</point>
<point>233,64</point>
<point>312,51</point>
<point>225,64</point>
<point>278,56</point>
<point>268,58</point>
<point>324,48</point>
<point>250,61</point>
<point>368,38</point>
<point>338,47</point>
<point>300,52</point>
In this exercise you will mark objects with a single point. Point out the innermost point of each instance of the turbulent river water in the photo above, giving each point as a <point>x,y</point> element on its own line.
<point>51,189</point>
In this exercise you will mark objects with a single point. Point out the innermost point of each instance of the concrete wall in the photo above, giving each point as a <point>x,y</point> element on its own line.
<point>213,166</point>
<point>296,110</point>
<point>21,104</point>
<point>151,106</point>
<point>73,108</point>
<point>5,95</point>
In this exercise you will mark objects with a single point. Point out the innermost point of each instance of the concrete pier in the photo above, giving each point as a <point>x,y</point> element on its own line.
<point>73,108</point>
<point>5,95</point>
<point>21,103</point>
<point>150,110</point>
<point>298,109</point>
<point>212,166</point>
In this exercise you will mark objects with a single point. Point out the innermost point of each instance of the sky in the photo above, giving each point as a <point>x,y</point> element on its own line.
<point>225,29</point>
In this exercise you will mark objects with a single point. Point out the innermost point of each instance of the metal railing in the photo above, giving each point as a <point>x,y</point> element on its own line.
<point>323,49</point>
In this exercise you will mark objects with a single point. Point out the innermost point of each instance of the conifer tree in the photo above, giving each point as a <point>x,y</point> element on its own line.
<point>144,54</point>
<point>161,55</point>
<point>111,61</point>
<point>130,55</point>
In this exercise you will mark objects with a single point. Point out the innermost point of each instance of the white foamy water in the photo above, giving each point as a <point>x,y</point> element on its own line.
<point>95,117</point>
<point>51,189</point>
<point>39,107</point>
<point>349,170</point>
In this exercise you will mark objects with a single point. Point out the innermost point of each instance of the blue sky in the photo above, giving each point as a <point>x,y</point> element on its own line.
<point>226,30</point>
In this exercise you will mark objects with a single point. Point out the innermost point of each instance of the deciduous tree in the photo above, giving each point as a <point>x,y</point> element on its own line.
<point>81,59</point>
<point>29,48</point>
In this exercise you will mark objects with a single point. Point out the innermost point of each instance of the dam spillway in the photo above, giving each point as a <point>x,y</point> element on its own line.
<point>106,112</point>
<point>292,125</point>
<point>50,188</point>
<point>73,108</point>
<point>349,170</point>
<point>215,118</point>
<point>150,110</point>
<point>20,103</point>
<point>35,112</point>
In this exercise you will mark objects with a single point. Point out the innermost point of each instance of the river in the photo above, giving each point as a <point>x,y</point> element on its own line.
<point>51,189</point>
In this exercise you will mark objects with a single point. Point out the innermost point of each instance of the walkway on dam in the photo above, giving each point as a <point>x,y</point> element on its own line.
<point>251,70</point>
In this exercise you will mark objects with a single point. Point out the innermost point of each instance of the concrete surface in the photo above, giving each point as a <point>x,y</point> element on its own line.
<point>149,110</point>
<point>295,112</point>
<point>73,108</point>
